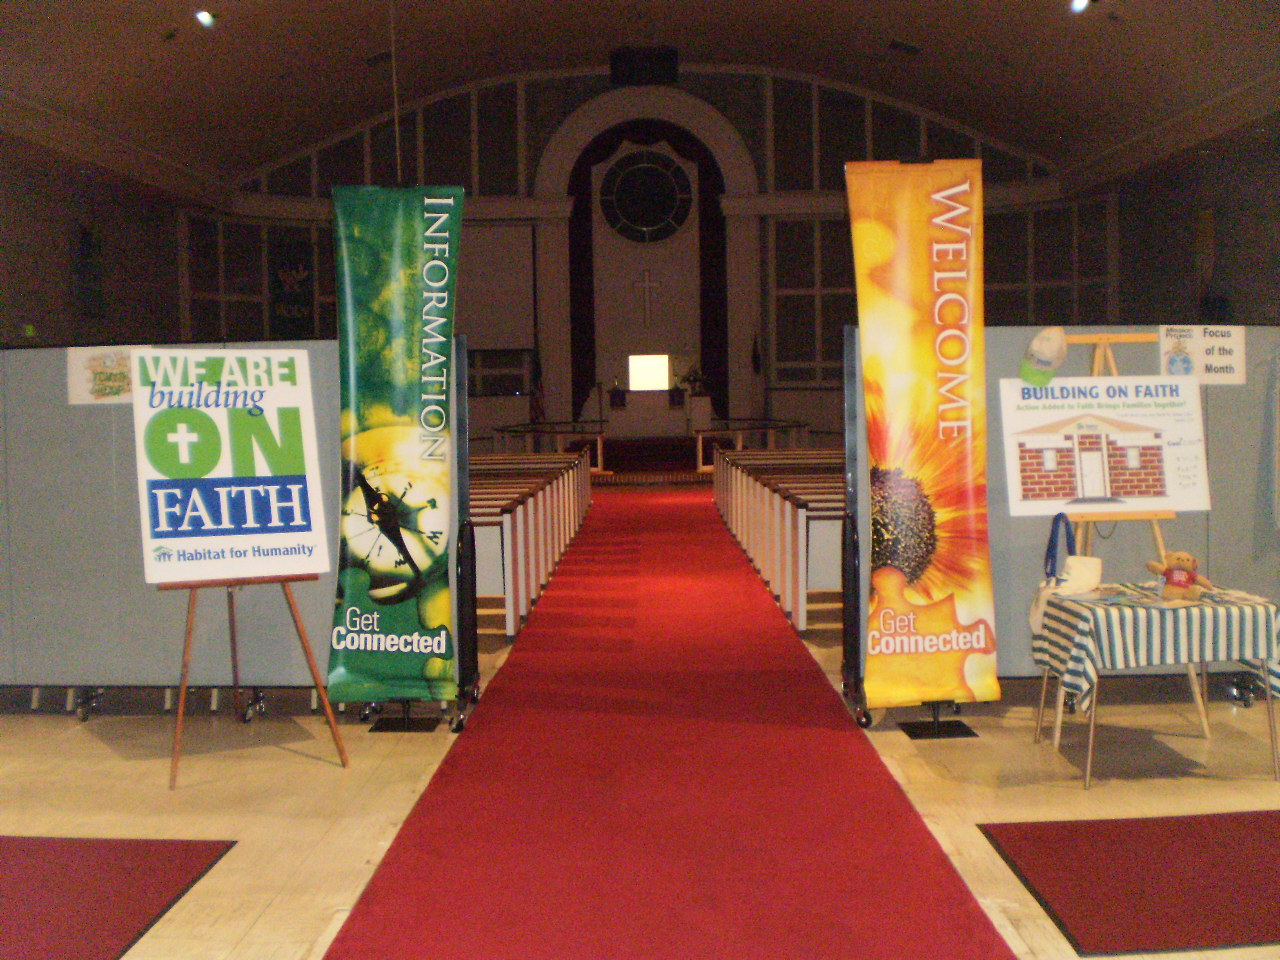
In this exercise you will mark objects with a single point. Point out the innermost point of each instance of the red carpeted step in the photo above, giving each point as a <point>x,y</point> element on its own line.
<point>670,779</point>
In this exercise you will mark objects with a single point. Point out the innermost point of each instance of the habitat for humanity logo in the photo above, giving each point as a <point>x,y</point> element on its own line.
<point>229,462</point>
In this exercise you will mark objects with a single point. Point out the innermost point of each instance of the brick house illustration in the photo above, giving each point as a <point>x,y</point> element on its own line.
<point>1087,457</point>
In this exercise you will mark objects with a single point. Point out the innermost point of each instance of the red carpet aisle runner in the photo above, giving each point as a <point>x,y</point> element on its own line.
<point>73,899</point>
<point>660,770</point>
<point>1154,883</point>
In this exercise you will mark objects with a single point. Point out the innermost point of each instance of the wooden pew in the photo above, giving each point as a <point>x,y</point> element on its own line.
<point>525,508</point>
<point>786,508</point>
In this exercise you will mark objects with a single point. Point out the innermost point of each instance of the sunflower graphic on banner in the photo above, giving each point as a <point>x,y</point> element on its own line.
<point>917,245</point>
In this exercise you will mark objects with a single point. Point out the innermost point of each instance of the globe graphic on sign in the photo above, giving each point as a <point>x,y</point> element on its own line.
<point>1179,364</point>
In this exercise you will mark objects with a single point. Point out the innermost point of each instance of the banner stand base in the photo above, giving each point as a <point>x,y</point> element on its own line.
<point>405,723</point>
<point>935,728</point>
<point>194,587</point>
<point>943,730</point>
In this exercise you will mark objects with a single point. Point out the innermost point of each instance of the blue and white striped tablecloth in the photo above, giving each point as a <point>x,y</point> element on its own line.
<point>1128,625</point>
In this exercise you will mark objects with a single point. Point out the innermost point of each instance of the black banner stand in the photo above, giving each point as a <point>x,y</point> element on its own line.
<point>230,585</point>
<point>468,630</point>
<point>467,634</point>
<point>851,620</point>
<point>850,565</point>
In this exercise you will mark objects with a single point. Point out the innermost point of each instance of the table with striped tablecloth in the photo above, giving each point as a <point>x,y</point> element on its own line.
<point>1125,625</point>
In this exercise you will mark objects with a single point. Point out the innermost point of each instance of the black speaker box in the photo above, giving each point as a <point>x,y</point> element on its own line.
<point>640,66</point>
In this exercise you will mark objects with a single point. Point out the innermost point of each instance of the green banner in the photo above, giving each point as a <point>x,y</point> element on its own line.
<point>394,634</point>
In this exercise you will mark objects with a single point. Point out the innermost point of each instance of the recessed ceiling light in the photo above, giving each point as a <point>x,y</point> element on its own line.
<point>1080,6</point>
<point>205,18</point>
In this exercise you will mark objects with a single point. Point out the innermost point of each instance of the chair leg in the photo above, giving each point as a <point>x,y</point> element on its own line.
<point>1093,726</point>
<point>1198,700</point>
<point>1044,689</point>
<point>1060,707</point>
<point>1271,720</point>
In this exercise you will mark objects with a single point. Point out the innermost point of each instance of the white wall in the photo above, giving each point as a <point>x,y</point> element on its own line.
<point>495,296</point>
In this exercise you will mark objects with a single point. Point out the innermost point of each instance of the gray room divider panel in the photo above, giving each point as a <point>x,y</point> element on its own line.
<point>74,609</point>
<point>77,611</point>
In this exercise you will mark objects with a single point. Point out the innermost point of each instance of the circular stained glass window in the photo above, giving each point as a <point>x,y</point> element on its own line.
<point>646,196</point>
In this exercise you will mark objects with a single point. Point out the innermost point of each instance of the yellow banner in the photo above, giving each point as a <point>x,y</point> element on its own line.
<point>917,248</point>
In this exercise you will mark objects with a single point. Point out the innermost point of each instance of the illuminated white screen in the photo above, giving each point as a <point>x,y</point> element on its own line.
<point>648,371</point>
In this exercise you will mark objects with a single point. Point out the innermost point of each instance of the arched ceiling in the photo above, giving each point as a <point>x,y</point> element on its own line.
<point>143,89</point>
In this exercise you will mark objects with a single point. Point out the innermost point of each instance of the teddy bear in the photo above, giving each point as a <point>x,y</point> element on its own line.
<point>1181,579</point>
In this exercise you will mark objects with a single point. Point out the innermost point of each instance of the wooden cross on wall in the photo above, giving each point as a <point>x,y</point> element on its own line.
<point>647,287</point>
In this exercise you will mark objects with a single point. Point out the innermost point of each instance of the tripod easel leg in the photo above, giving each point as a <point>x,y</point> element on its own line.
<point>315,674</point>
<point>1060,705</point>
<point>1198,699</point>
<point>182,690</point>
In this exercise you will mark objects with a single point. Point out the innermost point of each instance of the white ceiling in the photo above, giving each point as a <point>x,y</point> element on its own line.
<point>141,88</point>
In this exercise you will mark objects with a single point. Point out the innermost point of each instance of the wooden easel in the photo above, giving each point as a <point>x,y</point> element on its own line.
<point>230,585</point>
<point>1104,357</point>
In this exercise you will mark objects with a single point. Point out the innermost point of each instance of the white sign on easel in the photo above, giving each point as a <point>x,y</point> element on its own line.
<point>1104,445</point>
<point>228,469</point>
<point>1214,354</point>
